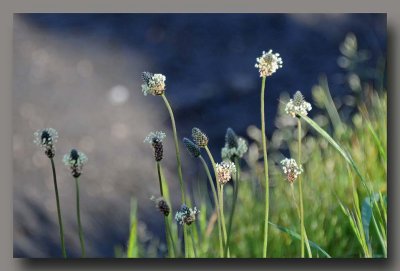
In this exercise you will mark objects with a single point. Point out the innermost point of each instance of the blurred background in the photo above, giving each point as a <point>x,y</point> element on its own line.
<point>81,74</point>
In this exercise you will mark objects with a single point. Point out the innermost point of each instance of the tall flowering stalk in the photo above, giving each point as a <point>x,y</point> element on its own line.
<point>201,140</point>
<point>234,149</point>
<point>295,107</point>
<point>267,64</point>
<point>75,160</point>
<point>155,139</point>
<point>224,172</point>
<point>195,151</point>
<point>154,84</point>
<point>185,217</point>
<point>46,139</point>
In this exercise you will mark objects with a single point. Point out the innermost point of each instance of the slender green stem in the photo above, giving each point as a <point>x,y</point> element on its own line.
<point>78,214</point>
<point>178,156</point>
<point>179,165</point>
<point>304,239</point>
<point>159,178</point>
<point>294,200</point>
<point>64,252</point>
<point>220,196</point>
<point>264,144</point>
<point>221,251</point>
<point>235,196</point>
<point>221,203</point>
<point>193,243</point>
<point>168,234</point>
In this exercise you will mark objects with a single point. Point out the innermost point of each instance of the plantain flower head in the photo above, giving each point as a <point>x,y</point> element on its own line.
<point>291,169</point>
<point>46,140</point>
<point>298,105</point>
<point>154,84</point>
<point>186,215</point>
<point>155,139</point>
<point>225,170</point>
<point>235,146</point>
<point>75,161</point>
<point>199,138</point>
<point>268,63</point>
<point>192,148</point>
<point>161,205</point>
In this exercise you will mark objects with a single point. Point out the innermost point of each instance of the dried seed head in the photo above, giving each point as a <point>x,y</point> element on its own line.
<point>158,150</point>
<point>75,161</point>
<point>46,139</point>
<point>225,171</point>
<point>154,84</point>
<point>199,138</point>
<point>235,146</point>
<point>291,169</point>
<point>155,139</point>
<point>186,215</point>
<point>161,205</point>
<point>192,148</point>
<point>297,106</point>
<point>268,63</point>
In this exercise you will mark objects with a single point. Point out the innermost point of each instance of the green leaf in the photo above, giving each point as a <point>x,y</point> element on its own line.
<point>298,237</point>
<point>366,214</point>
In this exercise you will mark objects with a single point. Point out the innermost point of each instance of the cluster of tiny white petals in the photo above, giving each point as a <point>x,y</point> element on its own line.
<point>298,106</point>
<point>152,137</point>
<point>154,84</point>
<point>75,160</point>
<point>80,160</point>
<point>186,215</point>
<point>225,170</point>
<point>230,152</point>
<point>291,169</point>
<point>46,140</point>
<point>268,63</point>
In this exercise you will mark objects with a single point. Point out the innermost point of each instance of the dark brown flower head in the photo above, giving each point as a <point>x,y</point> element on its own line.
<point>162,205</point>
<point>155,139</point>
<point>75,161</point>
<point>46,139</point>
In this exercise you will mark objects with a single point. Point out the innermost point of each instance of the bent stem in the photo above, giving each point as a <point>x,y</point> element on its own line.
<point>304,239</point>
<point>179,165</point>
<point>64,252</point>
<point>235,196</point>
<point>78,214</point>
<point>264,144</point>
<point>221,251</point>
<point>168,234</point>
<point>220,196</point>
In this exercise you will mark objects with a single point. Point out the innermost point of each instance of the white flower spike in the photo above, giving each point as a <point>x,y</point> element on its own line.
<point>298,106</point>
<point>268,63</point>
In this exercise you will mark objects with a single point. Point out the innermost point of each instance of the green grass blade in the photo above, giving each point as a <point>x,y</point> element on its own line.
<point>345,155</point>
<point>132,242</point>
<point>377,141</point>
<point>297,236</point>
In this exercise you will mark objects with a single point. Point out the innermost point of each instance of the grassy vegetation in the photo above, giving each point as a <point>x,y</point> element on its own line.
<point>344,159</point>
<point>335,205</point>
